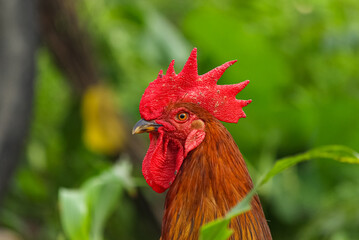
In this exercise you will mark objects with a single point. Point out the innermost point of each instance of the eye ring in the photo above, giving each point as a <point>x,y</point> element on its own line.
<point>182,116</point>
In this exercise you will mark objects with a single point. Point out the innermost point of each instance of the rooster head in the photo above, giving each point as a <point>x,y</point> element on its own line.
<point>174,128</point>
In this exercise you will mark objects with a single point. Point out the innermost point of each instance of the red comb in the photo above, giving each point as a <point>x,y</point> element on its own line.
<point>188,86</point>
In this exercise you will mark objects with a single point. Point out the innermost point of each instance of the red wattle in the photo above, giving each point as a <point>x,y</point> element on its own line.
<point>162,161</point>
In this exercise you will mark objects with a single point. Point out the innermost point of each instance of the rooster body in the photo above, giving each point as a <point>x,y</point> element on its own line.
<point>194,155</point>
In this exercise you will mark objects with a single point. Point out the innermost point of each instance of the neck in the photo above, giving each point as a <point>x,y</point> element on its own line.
<point>212,179</point>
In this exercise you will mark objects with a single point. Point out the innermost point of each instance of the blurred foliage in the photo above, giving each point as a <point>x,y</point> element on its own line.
<point>302,59</point>
<point>84,212</point>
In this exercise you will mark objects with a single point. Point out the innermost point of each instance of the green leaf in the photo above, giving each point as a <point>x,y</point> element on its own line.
<point>243,206</point>
<point>102,194</point>
<point>216,230</point>
<point>74,214</point>
<point>84,212</point>
<point>334,152</point>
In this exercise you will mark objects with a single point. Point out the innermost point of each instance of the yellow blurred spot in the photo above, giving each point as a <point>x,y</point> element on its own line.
<point>103,130</point>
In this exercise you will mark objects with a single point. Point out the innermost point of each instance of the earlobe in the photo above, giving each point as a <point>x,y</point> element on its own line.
<point>193,140</point>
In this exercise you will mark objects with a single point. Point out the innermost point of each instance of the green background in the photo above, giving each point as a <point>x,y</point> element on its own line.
<point>302,58</point>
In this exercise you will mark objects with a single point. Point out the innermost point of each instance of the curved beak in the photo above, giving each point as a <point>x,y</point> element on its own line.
<point>145,126</point>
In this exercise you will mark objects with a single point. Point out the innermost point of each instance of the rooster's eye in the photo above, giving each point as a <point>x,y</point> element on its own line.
<point>182,116</point>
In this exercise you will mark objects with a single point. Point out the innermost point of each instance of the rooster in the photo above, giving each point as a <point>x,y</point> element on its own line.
<point>193,155</point>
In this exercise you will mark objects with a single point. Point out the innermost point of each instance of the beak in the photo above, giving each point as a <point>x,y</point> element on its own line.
<point>145,126</point>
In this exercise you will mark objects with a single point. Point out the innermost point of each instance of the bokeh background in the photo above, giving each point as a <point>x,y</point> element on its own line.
<point>90,61</point>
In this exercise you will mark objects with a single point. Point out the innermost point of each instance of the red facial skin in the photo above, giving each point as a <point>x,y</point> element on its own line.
<point>170,145</point>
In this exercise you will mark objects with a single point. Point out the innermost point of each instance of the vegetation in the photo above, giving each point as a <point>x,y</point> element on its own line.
<point>302,60</point>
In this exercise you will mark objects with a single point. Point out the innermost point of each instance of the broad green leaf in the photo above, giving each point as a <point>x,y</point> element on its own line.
<point>74,214</point>
<point>218,229</point>
<point>102,194</point>
<point>84,212</point>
